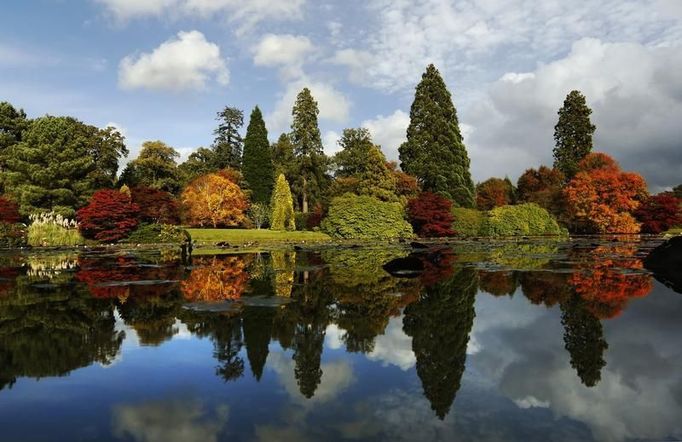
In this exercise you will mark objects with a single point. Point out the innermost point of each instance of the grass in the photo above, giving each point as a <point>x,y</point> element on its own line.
<point>240,236</point>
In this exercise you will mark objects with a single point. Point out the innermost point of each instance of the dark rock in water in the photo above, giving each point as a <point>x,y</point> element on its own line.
<point>222,244</point>
<point>298,248</point>
<point>408,267</point>
<point>418,245</point>
<point>665,261</point>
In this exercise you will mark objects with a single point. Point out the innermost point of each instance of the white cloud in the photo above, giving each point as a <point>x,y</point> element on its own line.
<point>389,132</point>
<point>330,141</point>
<point>285,51</point>
<point>394,347</point>
<point>183,63</point>
<point>127,9</point>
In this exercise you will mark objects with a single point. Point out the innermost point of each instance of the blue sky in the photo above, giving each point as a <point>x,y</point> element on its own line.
<point>161,69</point>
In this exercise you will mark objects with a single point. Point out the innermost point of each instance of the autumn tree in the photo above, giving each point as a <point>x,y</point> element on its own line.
<point>311,162</point>
<point>601,198</point>
<point>214,200</point>
<point>110,216</point>
<point>156,206</point>
<point>282,205</point>
<point>227,145</point>
<point>494,192</point>
<point>434,151</point>
<point>431,215</point>
<point>544,187</point>
<point>154,167</point>
<point>406,185</point>
<point>257,162</point>
<point>658,213</point>
<point>572,134</point>
<point>9,211</point>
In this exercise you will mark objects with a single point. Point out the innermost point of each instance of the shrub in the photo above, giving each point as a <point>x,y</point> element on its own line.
<point>12,236</point>
<point>430,215</point>
<point>110,216</point>
<point>214,200</point>
<point>282,205</point>
<point>156,206</point>
<point>52,230</point>
<point>659,213</point>
<point>524,219</point>
<point>315,217</point>
<point>9,211</point>
<point>301,220</point>
<point>467,222</point>
<point>157,234</point>
<point>365,217</point>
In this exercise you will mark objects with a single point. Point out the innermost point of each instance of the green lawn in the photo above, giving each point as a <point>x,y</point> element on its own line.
<point>240,236</point>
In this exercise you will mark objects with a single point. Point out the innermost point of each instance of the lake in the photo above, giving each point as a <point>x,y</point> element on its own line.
<point>518,341</point>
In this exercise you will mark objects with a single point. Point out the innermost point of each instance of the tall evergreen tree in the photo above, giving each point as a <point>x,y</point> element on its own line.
<point>12,123</point>
<point>434,151</point>
<point>311,162</point>
<point>572,134</point>
<point>283,157</point>
<point>257,161</point>
<point>228,142</point>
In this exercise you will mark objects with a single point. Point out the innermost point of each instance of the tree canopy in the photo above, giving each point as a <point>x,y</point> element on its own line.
<point>573,134</point>
<point>227,145</point>
<point>257,164</point>
<point>154,167</point>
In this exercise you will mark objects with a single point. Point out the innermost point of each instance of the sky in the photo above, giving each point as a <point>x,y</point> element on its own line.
<point>162,69</point>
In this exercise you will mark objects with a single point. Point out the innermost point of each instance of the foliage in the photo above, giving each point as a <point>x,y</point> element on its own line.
<point>494,192</point>
<point>365,217</point>
<point>257,161</point>
<point>241,236</point>
<point>282,206</point>
<point>430,215</point>
<point>467,222</point>
<point>434,151</point>
<point>156,206</point>
<point>572,134</point>
<point>200,162</point>
<point>658,213</point>
<point>217,278</point>
<point>9,211</point>
<point>544,187</point>
<point>214,200</point>
<point>677,191</point>
<point>12,123</point>
<point>110,216</point>
<point>12,236</point>
<point>52,230</point>
<point>59,163</point>
<point>524,219</point>
<point>315,217</point>
<point>311,162</point>
<point>283,158</point>
<point>406,185</point>
<point>227,146</point>
<point>601,197</point>
<point>259,213</point>
<point>154,167</point>
<point>156,233</point>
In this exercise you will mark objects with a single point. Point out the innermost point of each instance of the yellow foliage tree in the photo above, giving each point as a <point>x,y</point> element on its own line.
<point>214,200</point>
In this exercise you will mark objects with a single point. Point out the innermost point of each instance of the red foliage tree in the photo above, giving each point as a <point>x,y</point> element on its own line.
<point>9,211</point>
<point>494,192</point>
<point>430,215</point>
<point>156,206</point>
<point>109,216</point>
<point>659,213</point>
<point>315,216</point>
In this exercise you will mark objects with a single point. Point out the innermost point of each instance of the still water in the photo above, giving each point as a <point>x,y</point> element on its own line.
<point>530,341</point>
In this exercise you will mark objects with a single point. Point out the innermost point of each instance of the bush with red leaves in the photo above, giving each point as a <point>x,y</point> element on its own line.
<point>430,215</point>
<point>156,206</point>
<point>315,217</point>
<point>9,211</point>
<point>110,216</point>
<point>659,213</point>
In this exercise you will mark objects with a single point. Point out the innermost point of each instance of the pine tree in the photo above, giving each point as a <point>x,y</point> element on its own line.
<point>282,206</point>
<point>283,157</point>
<point>228,142</point>
<point>573,134</point>
<point>434,151</point>
<point>311,162</point>
<point>257,161</point>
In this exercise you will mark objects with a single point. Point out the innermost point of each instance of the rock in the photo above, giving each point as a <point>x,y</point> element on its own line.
<point>222,244</point>
<point>665,261</point>
<point>408,267</point>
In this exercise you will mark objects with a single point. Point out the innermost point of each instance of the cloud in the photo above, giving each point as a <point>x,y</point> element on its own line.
<point>285,51</point>
<point>394,347</point>
<point>636,99</point>
<point>389,132</point>
<point>186,62</point>
<point>330,141</point>
<point>15,56</point>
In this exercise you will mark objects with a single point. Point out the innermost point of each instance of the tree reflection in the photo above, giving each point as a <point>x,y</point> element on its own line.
<point>498,283</point>
<point>217,278</point>
<point>439,324</point>
<point>257,322</point>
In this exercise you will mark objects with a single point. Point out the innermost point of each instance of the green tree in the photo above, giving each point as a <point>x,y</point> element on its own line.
<point>282,206</point>
<point>677,191</point>
<point>572,134</point>
<point>228,142</point>
<point>200,162</point>
<point>59,163</point>
<point>154,167</point>
<point>283,157</point>
<point>434,151</point>
<point>257,162</point>
<point>311,162</point>
<point>12,123</point>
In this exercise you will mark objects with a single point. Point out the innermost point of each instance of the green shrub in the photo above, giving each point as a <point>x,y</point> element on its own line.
<point>467,222</point>
<point>282,206</point>
<point>12,235</point>
<point>301,220</point>
<point>157,234</point>
<point>365,217</point>
<point>524,219</point>
<point>53,230</point>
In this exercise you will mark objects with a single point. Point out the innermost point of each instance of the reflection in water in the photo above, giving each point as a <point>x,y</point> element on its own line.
<point>217,278</point>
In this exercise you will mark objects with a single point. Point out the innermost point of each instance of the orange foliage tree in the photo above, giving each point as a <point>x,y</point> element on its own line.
<point>214,200</point>
<point>494,192</point>
<point>601,197</point>
<point>220,278</point>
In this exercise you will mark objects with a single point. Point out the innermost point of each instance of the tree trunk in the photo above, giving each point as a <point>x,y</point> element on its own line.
<point>304,204</point>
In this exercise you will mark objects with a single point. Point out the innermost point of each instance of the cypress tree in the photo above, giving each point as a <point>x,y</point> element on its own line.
<point>311,162</point>
<point>434,151</point>
<point>282,206</point>
<point>572,134</point>
<point>257,160</point>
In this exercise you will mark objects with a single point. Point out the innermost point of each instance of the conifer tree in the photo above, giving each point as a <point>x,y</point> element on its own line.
<point>282,206</point>
<point>283,157</point>
<point>228,142</point>
<point>257,161</point>
<point>434,151</point>
<point>311,162</point>
<point>573,134</point>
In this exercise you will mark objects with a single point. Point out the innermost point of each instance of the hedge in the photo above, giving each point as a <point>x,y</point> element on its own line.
<point>365,217</point>
<point>521,220</point>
